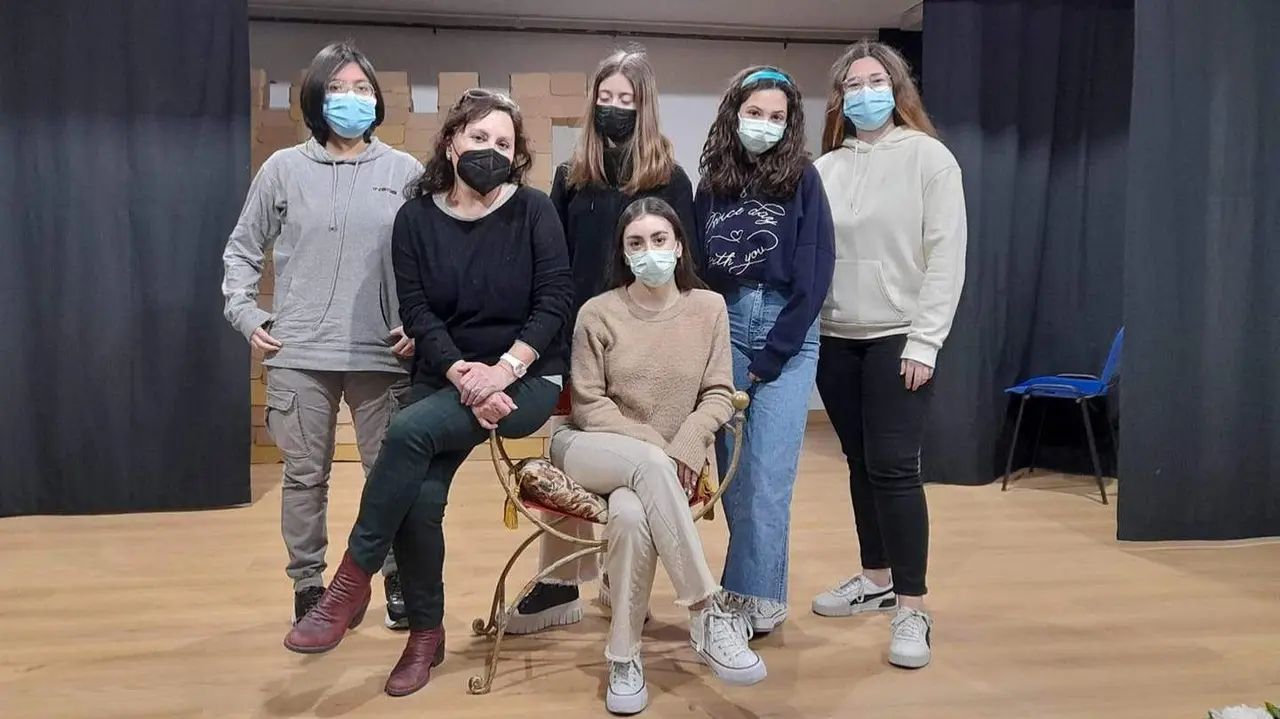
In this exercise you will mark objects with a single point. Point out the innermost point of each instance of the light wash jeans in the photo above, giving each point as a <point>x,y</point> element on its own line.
<point>757,505</point>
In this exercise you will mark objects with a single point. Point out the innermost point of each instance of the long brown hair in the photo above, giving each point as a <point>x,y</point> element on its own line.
<point>620,274</point>
<point>474,105</point>
<point>726,168</point>
<point>652,157</point>
<point>908,110</point>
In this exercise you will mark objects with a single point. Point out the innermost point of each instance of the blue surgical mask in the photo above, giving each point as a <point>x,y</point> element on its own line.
<point>869,108</point>
<point>349,114</point>
<point>759,135</point>
<point>654,268</point>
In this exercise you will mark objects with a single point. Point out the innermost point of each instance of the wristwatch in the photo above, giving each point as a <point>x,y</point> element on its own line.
<point>518,368</point>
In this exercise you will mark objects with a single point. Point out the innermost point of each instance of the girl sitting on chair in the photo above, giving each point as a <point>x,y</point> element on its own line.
<point>652,383</point>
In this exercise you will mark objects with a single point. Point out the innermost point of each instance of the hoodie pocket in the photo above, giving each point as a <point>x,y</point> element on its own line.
<point>385,304</point>
<point>281,303</point>
<point>861,296</point>
<point>367,312</point>
<point>297,310</point>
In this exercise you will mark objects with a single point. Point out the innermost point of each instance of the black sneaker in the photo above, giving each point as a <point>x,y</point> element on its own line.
<point>548,605</point>
<point>397,615</point>
<point>303,601</point>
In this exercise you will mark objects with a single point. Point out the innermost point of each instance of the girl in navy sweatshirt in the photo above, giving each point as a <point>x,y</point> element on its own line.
<point>766,242</point>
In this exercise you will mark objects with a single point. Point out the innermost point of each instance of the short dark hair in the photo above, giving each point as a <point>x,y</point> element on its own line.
<point>725,167</point>
<point>474,105</point>
<point>315,85</point>
<point>620,274</point>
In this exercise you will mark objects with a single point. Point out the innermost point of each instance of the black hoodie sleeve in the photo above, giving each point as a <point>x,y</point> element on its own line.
<point>560,199</point>
<point>679,194</point>
<point>552,281</point>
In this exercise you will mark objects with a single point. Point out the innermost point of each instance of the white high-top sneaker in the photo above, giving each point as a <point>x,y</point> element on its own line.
<point>719,637</point>
<point>910,648</point>
<point>765,615</point>
<point>627,692</point>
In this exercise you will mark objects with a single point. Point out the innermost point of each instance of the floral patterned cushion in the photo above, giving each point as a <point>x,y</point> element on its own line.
<point>543,484</point>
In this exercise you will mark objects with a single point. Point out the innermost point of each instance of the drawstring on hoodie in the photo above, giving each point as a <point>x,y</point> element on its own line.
<point>342,235</point>
<point>860,178</point>
<point>333,199</point>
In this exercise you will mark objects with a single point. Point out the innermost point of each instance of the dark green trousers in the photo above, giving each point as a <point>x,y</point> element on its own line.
<point>407,490</point>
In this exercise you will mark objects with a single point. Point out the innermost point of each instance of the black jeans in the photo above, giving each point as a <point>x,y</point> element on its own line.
<point>880,424</point>
<point>406,492</point>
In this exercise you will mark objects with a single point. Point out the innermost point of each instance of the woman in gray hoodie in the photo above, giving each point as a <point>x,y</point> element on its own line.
<point>325,209</point>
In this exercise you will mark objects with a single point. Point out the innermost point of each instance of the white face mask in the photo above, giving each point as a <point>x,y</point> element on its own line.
<point>759,135</point>
<point>654,268</point>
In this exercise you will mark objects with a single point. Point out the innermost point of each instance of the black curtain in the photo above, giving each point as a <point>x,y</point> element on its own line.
<point>1033,100</point>
<point>910,43</point>
<point>124,157</point>
<point>1201,414</point>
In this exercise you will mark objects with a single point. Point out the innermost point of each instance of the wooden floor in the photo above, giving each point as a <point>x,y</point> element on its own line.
<point>1039,613</point>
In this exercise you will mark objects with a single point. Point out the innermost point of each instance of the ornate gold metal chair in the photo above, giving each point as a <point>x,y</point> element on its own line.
<point>519,503</point>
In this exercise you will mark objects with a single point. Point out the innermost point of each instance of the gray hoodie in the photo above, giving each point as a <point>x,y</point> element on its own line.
<point>329,222</point>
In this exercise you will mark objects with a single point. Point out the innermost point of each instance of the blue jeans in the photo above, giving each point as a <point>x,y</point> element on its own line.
<point>757,504</point>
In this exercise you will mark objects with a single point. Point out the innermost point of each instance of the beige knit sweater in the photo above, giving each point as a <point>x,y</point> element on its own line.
<point>663,377</point>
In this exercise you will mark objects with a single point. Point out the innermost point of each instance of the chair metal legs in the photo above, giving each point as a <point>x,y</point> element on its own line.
<point>1093,448</point>
<point>1088,430</point>
<point>1013,444</point>
<point>1035,448</point>
<point>500,612</point>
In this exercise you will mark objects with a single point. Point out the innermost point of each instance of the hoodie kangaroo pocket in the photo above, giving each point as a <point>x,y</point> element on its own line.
<point>860,295</point>
<point>369,314</point>
<point>296,313</point>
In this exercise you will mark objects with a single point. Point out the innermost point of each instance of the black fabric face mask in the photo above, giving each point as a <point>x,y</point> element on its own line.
<point>484,170</point>
<point>615,123</point>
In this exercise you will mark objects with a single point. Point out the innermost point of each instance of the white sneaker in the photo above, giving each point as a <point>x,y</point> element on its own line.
<point>853,596</point>
<point>909,647</point>
<point>627,692</point>
<point>765,615</point>
<point>719,637</point>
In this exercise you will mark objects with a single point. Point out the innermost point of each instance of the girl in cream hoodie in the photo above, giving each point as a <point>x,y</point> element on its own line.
<point>898,207</point>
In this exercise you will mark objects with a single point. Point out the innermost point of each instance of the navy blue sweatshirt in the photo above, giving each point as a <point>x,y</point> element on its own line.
<point>786,244</point>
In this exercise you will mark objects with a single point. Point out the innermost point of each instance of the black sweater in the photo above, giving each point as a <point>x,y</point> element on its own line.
<point>468,289</point>
<point>590,219</point>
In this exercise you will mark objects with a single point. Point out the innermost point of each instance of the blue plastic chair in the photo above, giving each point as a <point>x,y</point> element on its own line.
<point>1080,388</point>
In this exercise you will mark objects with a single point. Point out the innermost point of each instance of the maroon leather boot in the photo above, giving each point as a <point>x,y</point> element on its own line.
<point>341,608</point>
<point>424,650</point>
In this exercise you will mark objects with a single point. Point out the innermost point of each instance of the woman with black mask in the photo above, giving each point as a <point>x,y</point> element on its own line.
<point>621,156</point>
<point>485,290</point>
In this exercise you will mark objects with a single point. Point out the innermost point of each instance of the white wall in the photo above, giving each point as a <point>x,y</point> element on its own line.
<point>691,74</point>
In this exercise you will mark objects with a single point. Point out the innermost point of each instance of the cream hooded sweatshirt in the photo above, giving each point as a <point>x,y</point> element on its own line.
<point>899,214</point>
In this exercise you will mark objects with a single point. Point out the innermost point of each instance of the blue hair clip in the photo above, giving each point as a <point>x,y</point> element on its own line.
<point>759,75</point>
